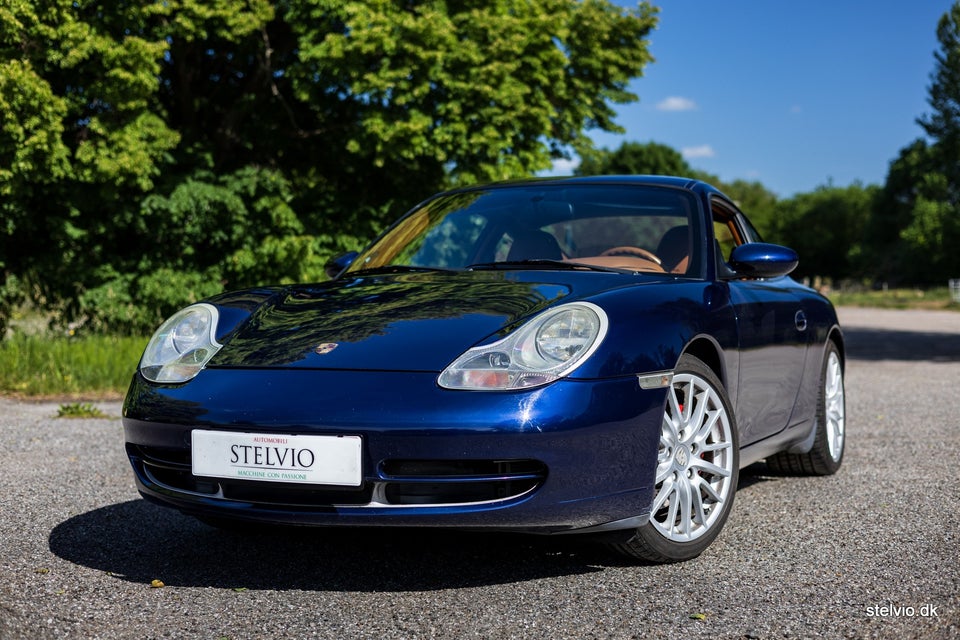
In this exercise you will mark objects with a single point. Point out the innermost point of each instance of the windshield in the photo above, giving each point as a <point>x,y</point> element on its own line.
<point>621,227</point>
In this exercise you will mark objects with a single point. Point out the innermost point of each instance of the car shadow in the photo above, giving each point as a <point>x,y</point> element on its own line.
<point>140,542</point>
<point>757,473</point>
<point>872,344</point>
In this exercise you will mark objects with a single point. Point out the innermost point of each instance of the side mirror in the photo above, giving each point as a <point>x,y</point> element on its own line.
<point>762,260</point>
<point>338,265</point>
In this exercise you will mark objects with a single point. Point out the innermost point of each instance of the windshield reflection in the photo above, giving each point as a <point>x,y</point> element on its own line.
<point>607,227</point>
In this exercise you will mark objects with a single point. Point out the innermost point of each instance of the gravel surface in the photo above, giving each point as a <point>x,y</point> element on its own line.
<point>871,552</point>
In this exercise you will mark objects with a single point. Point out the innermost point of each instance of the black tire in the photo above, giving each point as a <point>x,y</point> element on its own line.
<point>698,461</point>
<point>826,455</point>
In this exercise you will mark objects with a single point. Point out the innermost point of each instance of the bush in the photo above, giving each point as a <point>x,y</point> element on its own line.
<point>131,304</point>
<point>11,295</point>
<point>209,233</point>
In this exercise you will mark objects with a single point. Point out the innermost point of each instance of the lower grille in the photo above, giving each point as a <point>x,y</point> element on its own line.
<point>436,482</point>
<point>399,482</point>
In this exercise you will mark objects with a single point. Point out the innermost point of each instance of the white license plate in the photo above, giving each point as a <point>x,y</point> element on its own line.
<point>331,460</point>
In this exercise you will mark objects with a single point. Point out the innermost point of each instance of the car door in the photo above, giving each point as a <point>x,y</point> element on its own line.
<point>773,337</point>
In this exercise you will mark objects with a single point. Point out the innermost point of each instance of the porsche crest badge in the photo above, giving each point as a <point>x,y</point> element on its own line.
<point>325,347</point>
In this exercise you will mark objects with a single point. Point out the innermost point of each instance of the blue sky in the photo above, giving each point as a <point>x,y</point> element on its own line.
<point>792,94</point>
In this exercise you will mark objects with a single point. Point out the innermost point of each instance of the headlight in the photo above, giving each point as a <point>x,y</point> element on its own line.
<point>182,346</point>
<point>546,348</point>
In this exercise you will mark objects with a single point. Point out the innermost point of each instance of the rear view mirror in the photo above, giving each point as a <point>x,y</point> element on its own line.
<point>763,260</point>
<point>338,265</point>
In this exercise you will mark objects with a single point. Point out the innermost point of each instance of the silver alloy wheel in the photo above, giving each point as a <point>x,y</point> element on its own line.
<point>834,406</point>
<point>695,461</point>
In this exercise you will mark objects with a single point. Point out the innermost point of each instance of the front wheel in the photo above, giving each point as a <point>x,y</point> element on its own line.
<point>697,469</point>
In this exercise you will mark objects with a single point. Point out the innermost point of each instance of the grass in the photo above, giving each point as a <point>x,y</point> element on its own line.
<point>38,364</point>
<point>939,298</point>
<point>59,366</point>
<point>79,410</point>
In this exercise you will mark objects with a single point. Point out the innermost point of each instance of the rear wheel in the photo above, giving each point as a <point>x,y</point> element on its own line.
<point>697,469</point>
<point>825,456</point>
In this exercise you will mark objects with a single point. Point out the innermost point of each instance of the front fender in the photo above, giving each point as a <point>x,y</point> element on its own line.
<point>651,327</point>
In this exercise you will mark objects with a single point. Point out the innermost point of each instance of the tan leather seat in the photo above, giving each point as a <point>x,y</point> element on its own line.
<point>674,249</point>
<point>534,245</point>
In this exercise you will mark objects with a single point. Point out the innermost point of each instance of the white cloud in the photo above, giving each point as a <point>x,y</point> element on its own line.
<point>563,167</point>
<point>676,103</point>
<point>703,151</point>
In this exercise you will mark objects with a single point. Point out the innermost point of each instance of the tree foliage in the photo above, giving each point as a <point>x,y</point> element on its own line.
<point>942,124</point>
<point>654,158</point>
<point>225,142</point>
<point>154,153</point>
<point>914,233</point>
<point>636,158</point>
<point>905,232</point>
<point>825,228</point>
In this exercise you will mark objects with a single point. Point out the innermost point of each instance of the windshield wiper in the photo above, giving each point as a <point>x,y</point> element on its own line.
<point>540,263</point>
<point>396,268</point>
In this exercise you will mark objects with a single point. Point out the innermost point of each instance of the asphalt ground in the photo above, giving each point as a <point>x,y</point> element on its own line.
<point>871,552</point>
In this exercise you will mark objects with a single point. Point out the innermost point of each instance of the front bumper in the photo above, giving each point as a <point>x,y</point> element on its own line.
<point>574,455</point>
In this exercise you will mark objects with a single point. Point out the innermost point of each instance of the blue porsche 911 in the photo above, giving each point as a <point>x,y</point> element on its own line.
<point>570,356</point>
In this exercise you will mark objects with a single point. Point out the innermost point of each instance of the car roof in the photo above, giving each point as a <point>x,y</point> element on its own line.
<point>676,182</point>
<point>652,180</point>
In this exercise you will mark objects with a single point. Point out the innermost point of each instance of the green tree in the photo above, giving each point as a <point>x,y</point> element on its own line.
<point>886,255</point>
<point>942,125</point>
<point>241,141</point>
<point>933,235</point>
<point>825,228</point>
<point>81,138</point>
<point>635,158</point>
<point>914,232</point>
<point>654,158</point>
<point>759,203</point>
<point>431,94</point>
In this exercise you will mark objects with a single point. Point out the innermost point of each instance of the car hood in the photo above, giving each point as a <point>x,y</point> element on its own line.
<point>398,322</point>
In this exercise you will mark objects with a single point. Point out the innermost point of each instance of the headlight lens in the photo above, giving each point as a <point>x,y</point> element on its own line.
<point>546,348</point>
<point>182,346</point>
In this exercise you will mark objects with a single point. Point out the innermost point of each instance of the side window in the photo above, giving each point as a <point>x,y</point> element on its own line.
<point>749,231</point>
<point>724,234</point>
<point>727,231</point>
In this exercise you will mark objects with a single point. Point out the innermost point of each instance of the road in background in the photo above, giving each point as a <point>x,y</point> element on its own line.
<point>868,553</point>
